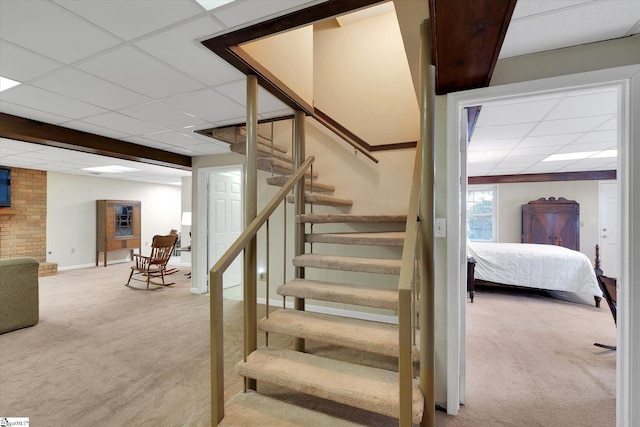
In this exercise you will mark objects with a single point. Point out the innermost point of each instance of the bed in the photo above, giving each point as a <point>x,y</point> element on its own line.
<point>534,266</point>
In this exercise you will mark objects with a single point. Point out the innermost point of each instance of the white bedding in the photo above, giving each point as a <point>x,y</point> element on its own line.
<point>534,266</point>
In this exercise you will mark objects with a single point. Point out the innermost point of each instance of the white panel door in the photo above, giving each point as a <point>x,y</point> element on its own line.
<point>225,220</point>
<point>608,237</point>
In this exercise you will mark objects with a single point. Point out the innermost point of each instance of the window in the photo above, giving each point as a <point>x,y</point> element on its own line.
<point>481,213</point>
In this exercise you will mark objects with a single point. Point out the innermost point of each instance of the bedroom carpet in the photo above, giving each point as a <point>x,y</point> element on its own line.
<point>104,354</point>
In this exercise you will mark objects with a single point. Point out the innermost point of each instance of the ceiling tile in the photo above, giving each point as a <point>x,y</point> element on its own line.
<point>23,65</point>
<point>598,136</point>
<point>89,88</point>
<point>148,142</point>
<point>242,12</point>
<point>208,105</point>
<point>580,124</point>
<point>549,140</point>
<point>136,70</point>
<point>585,105</point>
<point>122,123</point>
<point>162,115</point>
<point>43,100</point>
<point>50,30</point>
<point>527,8</point>
<point>276,113</point>
<point>533,151</point>
<point>30,113</point>
<point>179,46</point>
<point>238,90</point>
<point>132,18</point>
<point>497,144</point>
<point>95,129</point>
<point>172,138</point>
<point>595,146</point>
<point>517,112</point>
<point>611,124</point>
<point>588,23</point>
<point>501,132</point>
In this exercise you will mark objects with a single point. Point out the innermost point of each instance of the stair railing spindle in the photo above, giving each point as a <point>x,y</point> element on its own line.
<point>216,320</point>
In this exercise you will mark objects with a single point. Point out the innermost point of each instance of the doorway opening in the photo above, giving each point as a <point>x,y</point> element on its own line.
<point>225,220</point>
<point>457,175</point>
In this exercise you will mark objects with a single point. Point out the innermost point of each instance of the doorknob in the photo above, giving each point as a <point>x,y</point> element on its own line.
<point>604,229</point>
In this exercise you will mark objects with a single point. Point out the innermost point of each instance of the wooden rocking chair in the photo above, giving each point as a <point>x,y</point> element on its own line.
<point>154,265</point>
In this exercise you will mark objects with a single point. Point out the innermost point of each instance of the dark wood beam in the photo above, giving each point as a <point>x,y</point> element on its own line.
<point>293,20</point>
<point>543,177</point>
<point>36,132</point>
<point>466,39</point>
<point>227,46</point>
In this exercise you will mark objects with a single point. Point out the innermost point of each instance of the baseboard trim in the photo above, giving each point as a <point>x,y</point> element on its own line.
<point>109,262</point>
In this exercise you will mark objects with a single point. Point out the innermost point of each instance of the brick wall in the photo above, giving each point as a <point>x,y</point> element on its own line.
<point>25,232</point>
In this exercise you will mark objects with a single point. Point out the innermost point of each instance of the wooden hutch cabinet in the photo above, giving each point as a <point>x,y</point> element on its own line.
<point>552,221</point>
<point>118,226</point>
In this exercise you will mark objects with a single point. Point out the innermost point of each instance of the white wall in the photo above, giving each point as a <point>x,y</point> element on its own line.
<point>71,215</point>
<point>289,56</point>
<point>362,80</point>
<point>185,203</point>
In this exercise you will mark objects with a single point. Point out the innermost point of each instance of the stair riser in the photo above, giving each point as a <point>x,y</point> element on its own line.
<point>262,152</point>
<point>322,199</point>
<point>279,181</point>
<point>360,268</point>
<point>343,239</point>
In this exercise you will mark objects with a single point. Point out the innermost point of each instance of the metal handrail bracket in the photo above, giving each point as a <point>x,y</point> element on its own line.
<point>215,280</point>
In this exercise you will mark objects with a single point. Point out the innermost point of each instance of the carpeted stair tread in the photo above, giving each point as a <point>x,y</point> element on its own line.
<point>341,292</point>
<point>234,135</point>
<point>262,151</point>
<point>371,389</point>
<point>323,199</point>
<point>317,186</point>
<point>327,218</point>
<point>365,335</point>
<point>278,166</point>
<point>387,238</point>
<point>363,265</point>
<point>254,409</point>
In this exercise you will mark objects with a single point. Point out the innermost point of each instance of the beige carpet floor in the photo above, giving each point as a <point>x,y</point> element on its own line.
<point>104,354</point>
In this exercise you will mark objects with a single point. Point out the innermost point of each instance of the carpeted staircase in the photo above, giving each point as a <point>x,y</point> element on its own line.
<point>346,382</point>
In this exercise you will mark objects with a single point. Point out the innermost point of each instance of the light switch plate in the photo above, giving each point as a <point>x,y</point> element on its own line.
<point>441,227</point>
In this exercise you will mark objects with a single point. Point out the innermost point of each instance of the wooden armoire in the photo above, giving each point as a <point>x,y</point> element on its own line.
<point>552,221</point>
<point>117,226</point>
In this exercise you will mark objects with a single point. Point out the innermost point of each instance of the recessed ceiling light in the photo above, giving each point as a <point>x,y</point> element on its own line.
<point>6,83</point>
<point>570,156</point>
<point>212,4</point>
<point>110,169</point>
<point>605,154</point>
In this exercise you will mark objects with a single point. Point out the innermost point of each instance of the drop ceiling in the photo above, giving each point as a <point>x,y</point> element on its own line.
<point>135,71</point>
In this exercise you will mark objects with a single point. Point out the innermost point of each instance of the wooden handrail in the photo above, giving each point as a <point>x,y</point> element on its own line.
<point>215,290</point>
<point>349,137</point>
